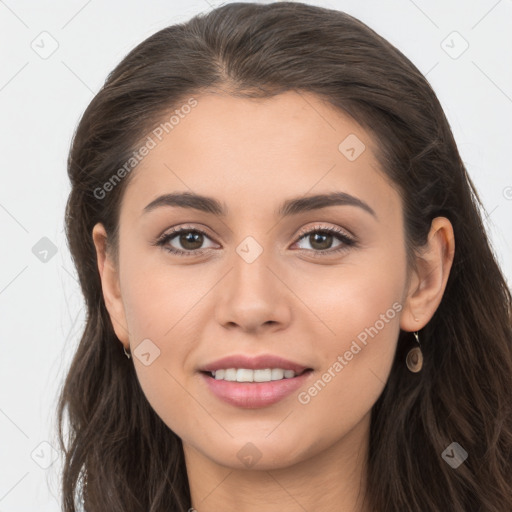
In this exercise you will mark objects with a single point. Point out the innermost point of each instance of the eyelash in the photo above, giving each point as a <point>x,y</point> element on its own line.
<point>347,241</point>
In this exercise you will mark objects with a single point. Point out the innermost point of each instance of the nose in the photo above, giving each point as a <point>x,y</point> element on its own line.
<point>254,296</point>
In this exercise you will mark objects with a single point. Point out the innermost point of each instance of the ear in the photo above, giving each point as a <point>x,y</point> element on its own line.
<point>110,285</point>
<point>428,280</point>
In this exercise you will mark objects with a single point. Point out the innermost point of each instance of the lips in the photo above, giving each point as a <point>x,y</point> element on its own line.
<point>260,362</point>
<point>255,395</point>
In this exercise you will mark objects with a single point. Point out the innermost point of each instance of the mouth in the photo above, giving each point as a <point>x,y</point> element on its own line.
<point>248,375</point>
<point>244,364</point>
<point>253,381</point>
<point>252,389</point>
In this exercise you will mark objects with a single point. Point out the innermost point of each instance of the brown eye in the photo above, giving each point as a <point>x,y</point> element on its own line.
<point>321,240</point>
<point>191,240</point>
<point>185,242</point>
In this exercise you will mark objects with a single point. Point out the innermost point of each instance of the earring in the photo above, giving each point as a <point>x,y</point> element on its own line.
<point>414,358</point>
<point>127,354</point>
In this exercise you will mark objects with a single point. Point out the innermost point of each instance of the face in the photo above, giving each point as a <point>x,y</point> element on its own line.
<point>319,284</point>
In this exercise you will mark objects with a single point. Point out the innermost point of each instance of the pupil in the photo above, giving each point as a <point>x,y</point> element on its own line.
<point>326,238</point>
<point>191,238</point>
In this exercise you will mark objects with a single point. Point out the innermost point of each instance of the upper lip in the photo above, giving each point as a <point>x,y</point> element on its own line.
<point>253,363</point>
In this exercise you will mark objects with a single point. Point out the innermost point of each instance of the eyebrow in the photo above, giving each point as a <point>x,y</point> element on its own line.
<point>289,207</point>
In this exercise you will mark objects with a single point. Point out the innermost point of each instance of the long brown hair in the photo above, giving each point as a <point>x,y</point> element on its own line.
<point>131,460</point>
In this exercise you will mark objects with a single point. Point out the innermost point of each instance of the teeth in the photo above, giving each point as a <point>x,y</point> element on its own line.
<point>277,374</point>
<point>262,375</point>
<point>243,375</point>
<point>247,375</point>
<point>219,374</point>
<point>230,374</point>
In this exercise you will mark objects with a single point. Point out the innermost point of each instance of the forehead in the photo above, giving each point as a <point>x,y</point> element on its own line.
<point>250,151</point>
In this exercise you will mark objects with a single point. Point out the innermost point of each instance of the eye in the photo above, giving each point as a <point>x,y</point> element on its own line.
<point>321,240</point>
<point>191,239</point>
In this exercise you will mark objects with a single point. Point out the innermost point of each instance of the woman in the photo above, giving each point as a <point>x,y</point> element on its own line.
<point>292,300</point>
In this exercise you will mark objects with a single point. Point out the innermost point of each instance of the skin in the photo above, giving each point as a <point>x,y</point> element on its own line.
<point>251,155</point>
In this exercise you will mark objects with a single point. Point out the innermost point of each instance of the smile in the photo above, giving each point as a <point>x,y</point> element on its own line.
<point>246,391</point>
<point>249,375</point>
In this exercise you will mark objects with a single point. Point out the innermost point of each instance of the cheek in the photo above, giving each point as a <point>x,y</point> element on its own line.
<point>164,309</point>
<point>162,338</point>
<point>359,308</point>
<point>361,318</point>
<point>157,293</point>
<point>346,300</point>
<point>356,368</point>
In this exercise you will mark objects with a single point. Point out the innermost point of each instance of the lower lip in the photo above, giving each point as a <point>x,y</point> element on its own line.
<point>252,395</point>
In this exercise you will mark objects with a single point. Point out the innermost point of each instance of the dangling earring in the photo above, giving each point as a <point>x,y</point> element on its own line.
<point>414,358</point>
<point>126,353</point>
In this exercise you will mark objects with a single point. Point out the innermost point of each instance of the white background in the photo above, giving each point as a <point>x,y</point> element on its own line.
<point>41,101</point>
